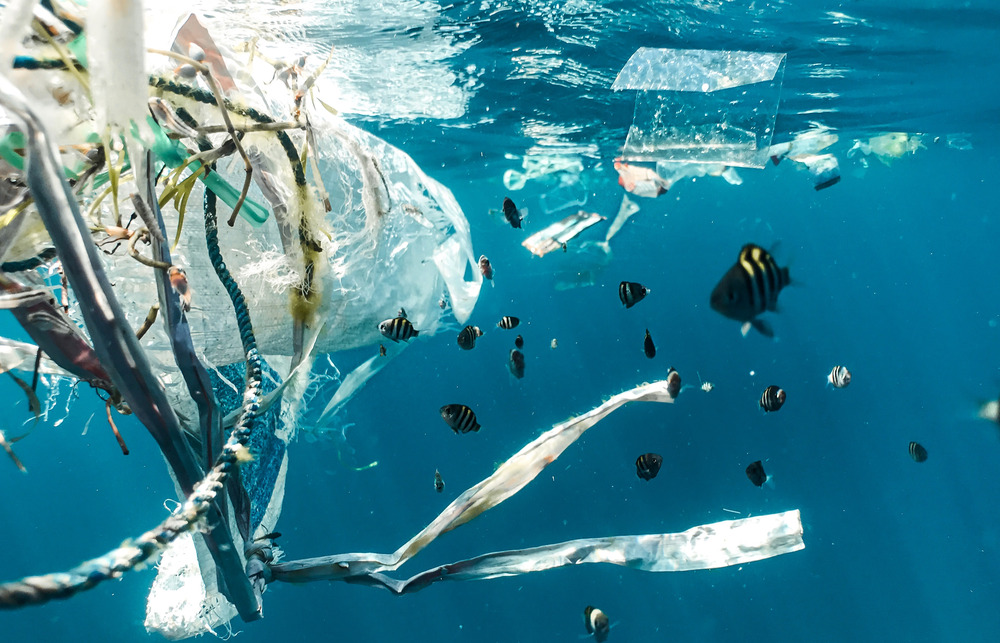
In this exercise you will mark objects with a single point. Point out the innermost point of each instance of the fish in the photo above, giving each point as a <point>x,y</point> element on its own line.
<point>511,213</point>
<point>554,344</point>
<point>918,452</point>
<point>596,623</point>
<point>467,337</point>
<point>648,347</point>
<point>516,363</point>
<point>486,267</point>
<point>398,328</point>
<point>673,382</point>
<point>507,322</point>
<point>990,411</point>
<point>749,288</point>
<point>631,293</point>
<point>839,377</point>
<point>438,481</point>
<point>772,399</point>
<point>519,341</point>
<point>179,282</point>
<point>460,418</point>
<point>647,465</point>
<point>381,350</point>
<point>755,471</point>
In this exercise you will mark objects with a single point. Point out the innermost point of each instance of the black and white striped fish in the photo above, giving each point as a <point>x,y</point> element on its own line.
<point>648,465</point>
<point>467,337</point>
<point>772,398</point>
<point>507,322</point>
<point>918,452</point>
<point>460,418</point>
<point>839,377</point>
<point>398,328</point>
<point>749,288</point>
<point>631,293</point>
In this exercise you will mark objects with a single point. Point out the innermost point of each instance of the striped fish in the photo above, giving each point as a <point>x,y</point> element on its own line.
<point>460,418</point>
<point>467,337</point>
<point>839,377</point>
<point>648,465</point>
<point>749,288</point>
<point>631,293</point>
<point>772,399</point>
<point>507,322</point>
<point>917,452</point>
<point>398,328</point>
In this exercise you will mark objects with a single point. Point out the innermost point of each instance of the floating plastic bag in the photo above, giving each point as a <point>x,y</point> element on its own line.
<point>688,109</point>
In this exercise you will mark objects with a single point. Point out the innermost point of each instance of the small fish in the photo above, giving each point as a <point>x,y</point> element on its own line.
<point>749,288</point>
<point>467,337</point>
<point>519,341</point>
<point>918,452</point>
<point>506,322</point>
<point>442,303</point>
<point>554,344</point>
<point>990,411</point>
<point>516,363</point>
<point>647,465</point>
<point>511,213</point>
<point>648,347</point>
<point>631,293</point>
<point>839,377</point>
<point>596,623</point>
<point>673,383</point>
<point>772,399</point>
<point>398,328</point>
<point>460,418</point>
<point>564,246</point>
<point>178,279</point>
<point>438,481</point>
<point>485,267</point>
<point>756,473</point>
<point>381,350</point>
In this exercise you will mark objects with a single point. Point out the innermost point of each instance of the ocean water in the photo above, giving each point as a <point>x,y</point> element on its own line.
<point>895,277</point>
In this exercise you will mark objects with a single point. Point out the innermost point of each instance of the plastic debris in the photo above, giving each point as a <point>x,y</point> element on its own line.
<point>625,211</point>
<point>555,236</point>
<point>538,166</point>
<point>570,193</point>
<point>888,147</point>
<point>688,109</point>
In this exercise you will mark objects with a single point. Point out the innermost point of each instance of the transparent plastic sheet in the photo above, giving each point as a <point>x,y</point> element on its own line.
<point>555,236</point>
<point>704,547</point>
<point>702,106</point>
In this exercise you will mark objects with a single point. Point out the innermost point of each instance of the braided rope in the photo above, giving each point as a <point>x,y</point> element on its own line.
<point>35,590</point>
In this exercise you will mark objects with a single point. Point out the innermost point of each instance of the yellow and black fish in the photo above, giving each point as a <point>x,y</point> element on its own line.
<point>749,288</point>
<point>597,623</point>
<point>648,347</point>
<point>648,465</point>
<point>772,399</point>
<point>756,473</point>
<point>398,328</point>
<point>460,418</point>
<point>516,363</point>
<point>918,452</point>
<point>438,481</point>
<point>631,293</point>
<point>467,337</point>
<point>507,322</point>
<point>839,377</point>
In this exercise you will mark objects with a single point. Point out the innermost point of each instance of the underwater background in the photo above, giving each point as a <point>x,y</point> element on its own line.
<point>895,276</point>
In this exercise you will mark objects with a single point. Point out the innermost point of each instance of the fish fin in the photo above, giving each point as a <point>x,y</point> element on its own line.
<point>761,327</point>
<point>415,332</point>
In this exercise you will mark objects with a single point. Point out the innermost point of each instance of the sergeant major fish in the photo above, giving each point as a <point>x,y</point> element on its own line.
<point>460,418</point>
<point>467,337</point>
<point>631,293</point>
<point>648,465</point>
<point>749,288</point>
<point>398,328</point>
<point>772,399</point>
<point>507,322</point>
<point>839,377</point>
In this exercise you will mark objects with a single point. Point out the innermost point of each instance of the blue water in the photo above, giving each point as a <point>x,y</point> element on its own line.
<point>895,271</point>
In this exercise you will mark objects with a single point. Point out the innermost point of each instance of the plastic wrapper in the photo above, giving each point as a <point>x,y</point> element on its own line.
<point>702,106</point>
<point>555,236</point>
<point>889,146</point>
